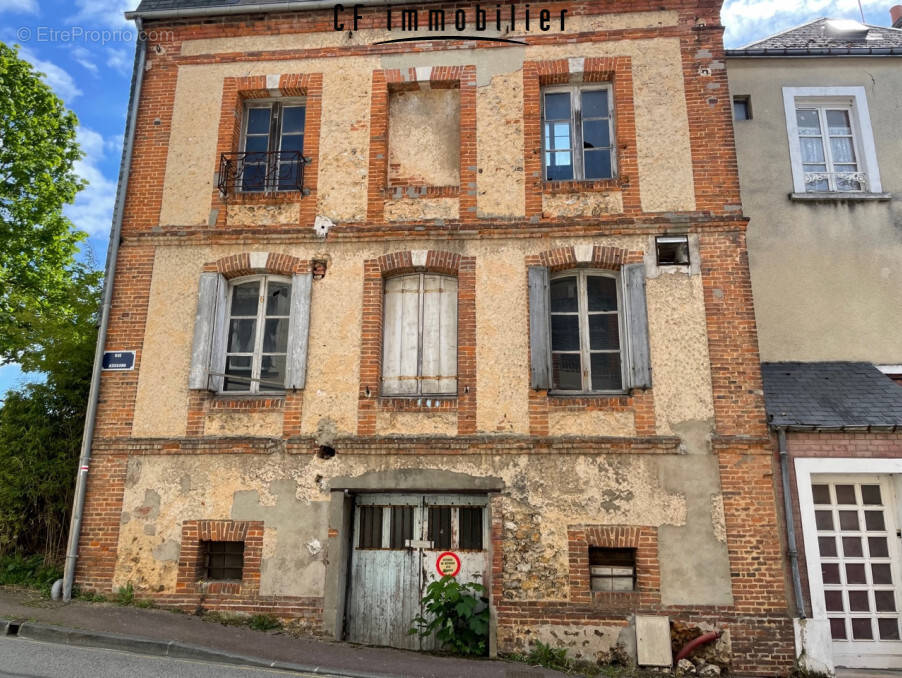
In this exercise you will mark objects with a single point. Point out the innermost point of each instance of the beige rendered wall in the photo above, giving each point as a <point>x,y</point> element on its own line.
<point>290,493</point>
<point>662,130</point>
<point>826,276</point>
<point>682,385</point>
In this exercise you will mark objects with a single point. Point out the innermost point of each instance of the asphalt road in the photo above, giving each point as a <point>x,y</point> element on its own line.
<point>20,658</point>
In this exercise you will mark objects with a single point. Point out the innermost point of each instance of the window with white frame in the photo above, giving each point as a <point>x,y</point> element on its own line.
<point>585,331</point>
<point>257,341</point>
<point>273,143</point>
<point>830,140</point>
<point>419,347</point>
<point>578,132</point>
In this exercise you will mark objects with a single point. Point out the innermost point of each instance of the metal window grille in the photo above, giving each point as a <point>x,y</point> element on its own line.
<point>223,559</point>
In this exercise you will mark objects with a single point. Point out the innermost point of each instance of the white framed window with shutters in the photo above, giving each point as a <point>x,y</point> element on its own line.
<point>578,132</point>
<point>588,330</point>
<point>831,143</point>
<point>419,343</point>
<point>251,334</point>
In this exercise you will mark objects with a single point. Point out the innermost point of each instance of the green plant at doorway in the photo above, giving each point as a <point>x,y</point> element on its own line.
<point>458,615</point>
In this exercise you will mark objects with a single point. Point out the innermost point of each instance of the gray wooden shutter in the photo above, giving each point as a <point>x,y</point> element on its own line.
<point>298,331</point>
<point>401,334</point>
<point>438,371</point>
<point>539,332</point>
<point>637,326</point>
<point>209,332</point>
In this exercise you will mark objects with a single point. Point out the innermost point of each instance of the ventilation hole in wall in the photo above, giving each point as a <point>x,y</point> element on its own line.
<point>325,452</point>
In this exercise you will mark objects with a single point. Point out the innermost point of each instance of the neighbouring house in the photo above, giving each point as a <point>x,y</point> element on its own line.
<point>463,306</point>
<point>817,115</point>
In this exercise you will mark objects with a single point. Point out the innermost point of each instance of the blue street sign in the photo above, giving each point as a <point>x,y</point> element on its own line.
<point>118,360</point>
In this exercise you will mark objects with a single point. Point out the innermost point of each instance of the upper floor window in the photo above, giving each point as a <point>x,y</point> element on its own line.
<point>585,332</point>
<point>257,343</point>
<point>831,145</point>
<point>272,146</point>
<point>578,132</point>
<point>419,347</point>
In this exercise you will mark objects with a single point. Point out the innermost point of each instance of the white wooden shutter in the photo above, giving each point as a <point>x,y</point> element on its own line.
<point>539,328</point>
<point>208,347</point>
<point>400,340</point>
<point>439,363</point>
<point>298,331</point>
<point>639,373</point>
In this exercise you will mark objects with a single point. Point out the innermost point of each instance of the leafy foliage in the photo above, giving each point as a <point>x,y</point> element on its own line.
<point>37,179</point>
<point>31,572</point>
<point>125,595</point>
<point>264,622</point>
<point>41,427</point>
<point>457,614</point>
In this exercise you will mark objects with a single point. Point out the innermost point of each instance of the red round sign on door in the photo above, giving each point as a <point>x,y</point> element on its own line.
<point>447,564</point>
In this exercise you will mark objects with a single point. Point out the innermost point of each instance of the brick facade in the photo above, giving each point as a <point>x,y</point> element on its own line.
<point>757,619</point>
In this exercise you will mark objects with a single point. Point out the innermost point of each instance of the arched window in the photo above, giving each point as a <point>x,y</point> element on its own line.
<point>586,330</point>
<point>257,334</point>
<point>419,347</point>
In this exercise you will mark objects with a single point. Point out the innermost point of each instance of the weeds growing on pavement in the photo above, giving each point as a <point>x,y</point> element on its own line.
<point>126,595</point>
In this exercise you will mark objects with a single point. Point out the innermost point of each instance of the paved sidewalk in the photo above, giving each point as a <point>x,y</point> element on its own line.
<point>171,634</point>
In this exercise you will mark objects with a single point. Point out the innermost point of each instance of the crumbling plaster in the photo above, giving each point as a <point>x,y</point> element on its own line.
<point>681,372</point>
<point>582,204</point>
<point>290,494</point>
<point>421,209</point>
<point>264,215</point>
<point>662,130</point>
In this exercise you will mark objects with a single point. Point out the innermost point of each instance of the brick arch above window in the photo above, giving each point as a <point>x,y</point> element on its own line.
<point>255,263</point>
<point>596,256</point>
<point>410,261</point>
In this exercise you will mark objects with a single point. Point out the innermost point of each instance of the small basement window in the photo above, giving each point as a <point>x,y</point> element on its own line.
<point>223,560</point>
<point>612,569</point>
<point>672,250</point>
<point>742,108</point>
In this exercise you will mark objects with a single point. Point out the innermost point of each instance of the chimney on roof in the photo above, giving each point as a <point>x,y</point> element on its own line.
<point>895,15</point>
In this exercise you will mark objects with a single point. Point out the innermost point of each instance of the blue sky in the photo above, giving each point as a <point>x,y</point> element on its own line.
<point>85,49</point>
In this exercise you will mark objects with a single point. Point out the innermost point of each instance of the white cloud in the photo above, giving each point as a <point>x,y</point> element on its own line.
<point>93,208</point>
<point>750,20</point>
<point>102,13</point>
<point>58,79</point>
<point>120,60</point>
<point>83,56</point>
<point>19,6</point>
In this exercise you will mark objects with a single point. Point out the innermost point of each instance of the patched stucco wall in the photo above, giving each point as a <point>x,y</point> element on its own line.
<point>677,330</point>
<point>424,137</point>
<point>290,494</point>
<point>825,276</point>
<point>662,130</point>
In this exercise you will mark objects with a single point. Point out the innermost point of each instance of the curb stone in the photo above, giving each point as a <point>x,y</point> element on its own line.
<point>162,648</point>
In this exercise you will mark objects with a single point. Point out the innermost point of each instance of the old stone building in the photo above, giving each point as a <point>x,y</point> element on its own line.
<point>482,291</point>
<point>825,248</point>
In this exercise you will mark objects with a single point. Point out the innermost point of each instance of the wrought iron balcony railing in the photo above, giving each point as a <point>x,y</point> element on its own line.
<point>836,182</point>
<point>261,172</point>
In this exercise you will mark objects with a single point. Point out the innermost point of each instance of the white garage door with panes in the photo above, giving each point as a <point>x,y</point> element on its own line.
<point>859,552</point>
<point>397,540</point>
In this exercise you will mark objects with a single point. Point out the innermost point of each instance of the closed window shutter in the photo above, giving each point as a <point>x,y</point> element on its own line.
<point>298,331</point>
<point>209,332</point>
<point>637,326</point>
<point>439,365</point>
<point>401,335</point>
<point>539,333</point>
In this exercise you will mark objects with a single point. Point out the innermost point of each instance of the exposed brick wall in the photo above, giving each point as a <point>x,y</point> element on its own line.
<point>99,537</point>
<point>191,564</point>
<point>370,400</point>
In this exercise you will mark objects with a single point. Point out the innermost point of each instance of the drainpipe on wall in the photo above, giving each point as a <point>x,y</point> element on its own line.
<point>790,523</point>
<point>87,441</point>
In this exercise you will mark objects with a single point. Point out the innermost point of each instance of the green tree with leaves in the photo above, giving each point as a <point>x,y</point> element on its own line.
<point>38,151</point>
<point>41,427</point>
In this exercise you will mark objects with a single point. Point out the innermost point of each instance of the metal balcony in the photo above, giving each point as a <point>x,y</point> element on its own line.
<point>261,172</point>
